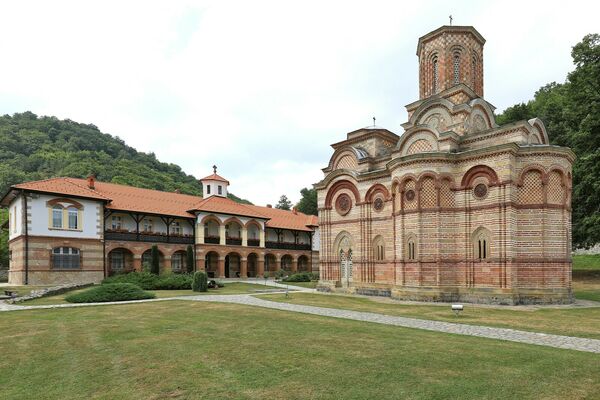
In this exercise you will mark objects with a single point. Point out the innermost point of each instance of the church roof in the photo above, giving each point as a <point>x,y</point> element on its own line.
<point>449,28</point>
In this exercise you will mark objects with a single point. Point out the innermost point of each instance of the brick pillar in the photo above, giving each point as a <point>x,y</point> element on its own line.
<point>260,268</point>
<point>244,268</point>
<point>294,265</point>
<point>278,264</point>
<point>221,268</point>
<point>200,264</point>
<point>137,263</point>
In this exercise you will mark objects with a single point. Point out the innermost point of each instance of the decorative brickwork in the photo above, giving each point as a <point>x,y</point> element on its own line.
<point>483,216</point>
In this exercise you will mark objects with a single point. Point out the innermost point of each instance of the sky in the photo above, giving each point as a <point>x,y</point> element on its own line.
<point>261,88</point>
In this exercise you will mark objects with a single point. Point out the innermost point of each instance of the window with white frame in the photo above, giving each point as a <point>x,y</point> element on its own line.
<point>176,228</point>
<point>148,225</point>
<point>73,217</point>
<point>66,258</point>
<point>57,217</point>
<point>117,223</point>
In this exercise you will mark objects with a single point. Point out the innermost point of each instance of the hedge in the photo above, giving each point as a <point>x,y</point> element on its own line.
<point>148,281</point>
<point>110,292</point>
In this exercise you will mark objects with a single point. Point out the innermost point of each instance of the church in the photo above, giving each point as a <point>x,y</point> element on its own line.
<point>456,208</point>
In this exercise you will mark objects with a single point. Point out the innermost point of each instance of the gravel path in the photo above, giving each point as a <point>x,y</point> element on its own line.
<point>542,339</point>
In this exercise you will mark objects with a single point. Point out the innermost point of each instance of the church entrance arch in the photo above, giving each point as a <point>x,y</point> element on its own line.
<point>344,249</point>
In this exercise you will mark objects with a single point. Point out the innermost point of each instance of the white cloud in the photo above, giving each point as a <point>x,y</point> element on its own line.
<point>260,88</point>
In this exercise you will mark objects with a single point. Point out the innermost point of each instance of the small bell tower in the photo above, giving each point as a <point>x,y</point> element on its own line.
<point>214,185</point>
<point>448,56</point>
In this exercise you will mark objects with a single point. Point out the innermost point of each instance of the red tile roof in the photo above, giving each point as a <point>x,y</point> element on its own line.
<point>215,177</point>
<point>129,198</point>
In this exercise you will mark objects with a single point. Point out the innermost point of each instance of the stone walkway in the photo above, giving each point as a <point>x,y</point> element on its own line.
<point>542,339</point>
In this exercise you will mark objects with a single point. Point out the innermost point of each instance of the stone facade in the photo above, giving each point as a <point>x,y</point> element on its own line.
<point>457,207</point>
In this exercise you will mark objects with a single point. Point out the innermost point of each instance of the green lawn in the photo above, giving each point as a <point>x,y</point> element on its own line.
<point>23,290</point>
<point>583,322</point>
<point>186,350</point>
<point>230,288</point>
<point>586,262</point>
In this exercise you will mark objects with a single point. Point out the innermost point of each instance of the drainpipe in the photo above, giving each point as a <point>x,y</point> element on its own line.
<point>26,238</point>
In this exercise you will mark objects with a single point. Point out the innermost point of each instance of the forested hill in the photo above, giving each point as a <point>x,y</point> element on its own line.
<point>571,113</point>
<point>33,148</point>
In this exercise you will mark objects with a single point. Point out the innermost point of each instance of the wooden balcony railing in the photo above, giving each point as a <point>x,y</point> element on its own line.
<point>287,246</point>
<point>148,237</point>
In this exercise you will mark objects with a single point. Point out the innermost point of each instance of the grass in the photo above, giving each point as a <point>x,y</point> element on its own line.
<point>230,288</point>
<point>583,322</point>
<point>586,262</point>
<point>23,290</point>
<point>186,350</point>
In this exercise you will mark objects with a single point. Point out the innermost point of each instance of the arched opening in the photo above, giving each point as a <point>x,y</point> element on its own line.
<point>411,248</point>
<point>456,68</point>
<point>211,231</point>
<point>434,77</point>
<point>147,260</point>
<point>303,264</point>
<point>481,244</point>
<point>270,263</point>
<point>120,261</point>
<point>232,265</point>
<point>252,265</point>
<point>253,234</point>
<point>233,233</point>
<point>211,264</point>
<point>286,262</point>
<point>344,249</point>
<point>179,262</point>
<point>378,248</point>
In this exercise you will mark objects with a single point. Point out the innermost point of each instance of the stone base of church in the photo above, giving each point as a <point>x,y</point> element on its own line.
<point>482,295</point>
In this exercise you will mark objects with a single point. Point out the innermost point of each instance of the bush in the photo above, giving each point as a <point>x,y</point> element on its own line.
<point>144,280</point>
<point>314,276</point>
<point>173,282</point>
<point>282,273</point>
<point>110,292</point>
<point>299,277</point>
<point>200,282</point>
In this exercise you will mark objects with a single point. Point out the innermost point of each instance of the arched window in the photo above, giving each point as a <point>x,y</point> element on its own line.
<point>435,75</point>
<point>481,244</point>
<point>456,65</point>
<point>73,217</point>
<point>473,72</point>
<point>411,249</point>
<point>65,258</point>
<point>57,216</point>
<point>378,249</point>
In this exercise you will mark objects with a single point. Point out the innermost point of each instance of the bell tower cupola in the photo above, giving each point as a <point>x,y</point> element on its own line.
<point>448,56</point>
<point>214,185</point>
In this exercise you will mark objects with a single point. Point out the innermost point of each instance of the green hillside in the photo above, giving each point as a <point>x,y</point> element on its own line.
<point>33,148</point>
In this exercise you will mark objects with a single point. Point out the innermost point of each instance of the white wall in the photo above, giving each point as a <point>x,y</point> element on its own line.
<point>158,225</point>
<point>15,211</point>
<point>91,215</point>
<point>214,188</point>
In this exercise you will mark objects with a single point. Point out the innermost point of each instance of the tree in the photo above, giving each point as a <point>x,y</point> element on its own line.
<point>3,240</point>
<point>571,113</point>
<point>308,202</point>
<point>189,258</point>
<point>200,281</point>
<point>284,203</point>
<point>155,266</point>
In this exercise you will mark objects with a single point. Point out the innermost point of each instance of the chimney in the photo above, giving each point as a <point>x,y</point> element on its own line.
<point>294,210</point>
<point>177,191</point>
<point>269,206</point>
<point>91,181</point>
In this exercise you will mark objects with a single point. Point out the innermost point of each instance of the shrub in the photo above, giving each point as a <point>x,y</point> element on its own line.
<point>200,282</point>
<point>314,276</point>
<point>144,280</point>
<point>173,282</point>
<point>189,259</point>
<point>110,292</point>
<point>266,275</point>
<point>220,284</point>
<point>155,267</point>
<point>299,277</point>
<point>282,273</point>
